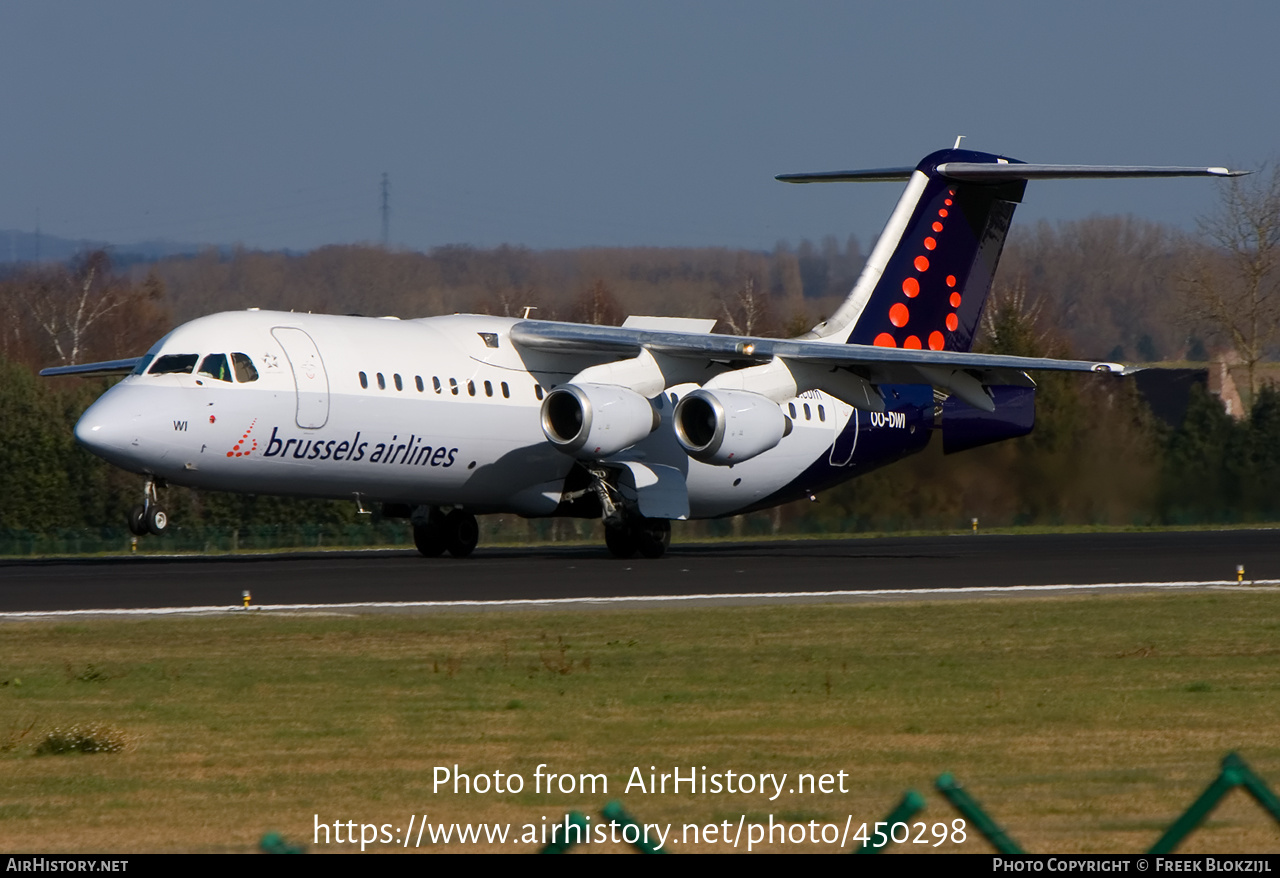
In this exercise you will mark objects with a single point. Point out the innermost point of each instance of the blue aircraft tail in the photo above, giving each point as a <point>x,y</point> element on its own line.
<point>927,278</point>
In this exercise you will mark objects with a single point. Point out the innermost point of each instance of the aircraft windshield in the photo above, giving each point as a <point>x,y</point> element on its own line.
<point>215,366</point>
<point>245,371</point>
<point>175,364</point>
<point>143,363</point>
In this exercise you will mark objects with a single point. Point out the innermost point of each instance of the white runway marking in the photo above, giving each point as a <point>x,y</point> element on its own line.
<point>530,603</point>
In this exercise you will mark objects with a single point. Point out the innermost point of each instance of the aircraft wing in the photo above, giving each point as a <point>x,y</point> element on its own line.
<point>619,342</point>
<point>846,371</point>
<point>110,367</point>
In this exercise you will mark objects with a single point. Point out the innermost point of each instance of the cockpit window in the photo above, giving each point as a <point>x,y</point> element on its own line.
<point>175,364</point>
<point>143,363</point>
<point>245,371</point>
<point>215,366</point>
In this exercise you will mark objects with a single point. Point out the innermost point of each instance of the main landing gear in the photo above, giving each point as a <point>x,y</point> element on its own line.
<point>626,531</point>
<point>648,536</point>
<point>148,517</point>
<point>435,532</point>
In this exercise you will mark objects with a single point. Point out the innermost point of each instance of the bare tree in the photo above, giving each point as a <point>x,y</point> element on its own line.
<point>1234,283</point>
<point>597,305</point>
<point>746,310</point>
<point>67,304</point>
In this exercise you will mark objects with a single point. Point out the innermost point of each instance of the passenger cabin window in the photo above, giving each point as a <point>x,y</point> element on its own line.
<point>791,407</point>
<point>245,370</point>
<point>488,389</point>
<point>417,379</point>
<point>807,416</point>
<point>215,366</point>
<point>435,382</point>
<point>506,391</point>
<point>471,388</point>
<point>399,383</point>
<point>175,364</point>
<point>453,386</point>
<point>364,381</point>
<point>382,382</point>
<point>537,391</point>
<point>822,413</point>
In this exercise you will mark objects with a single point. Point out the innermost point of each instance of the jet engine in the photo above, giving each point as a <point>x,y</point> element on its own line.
<point>724,427</point>
<point>592,421</point>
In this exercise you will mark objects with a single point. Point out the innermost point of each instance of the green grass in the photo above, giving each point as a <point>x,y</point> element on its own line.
<point>1083,724</point>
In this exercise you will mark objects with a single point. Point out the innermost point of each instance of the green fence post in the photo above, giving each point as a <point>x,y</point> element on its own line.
<point>912,804</point>
<point>1254,785</point>
<point>1199,810</point>
<point>274,843</point>
<point>965,804</point>
<point>614,812</point>
<point>573,818</point>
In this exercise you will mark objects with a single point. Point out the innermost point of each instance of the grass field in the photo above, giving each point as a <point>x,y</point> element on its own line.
<point>1082,724</point>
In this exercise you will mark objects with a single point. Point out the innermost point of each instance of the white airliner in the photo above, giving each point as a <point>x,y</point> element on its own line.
<point>440,419</point>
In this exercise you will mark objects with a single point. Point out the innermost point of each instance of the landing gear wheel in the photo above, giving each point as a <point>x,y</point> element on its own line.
<point>620,540</point>
<point>429,538</point>
<point>462,532</point>
<point>138,521</point>
<point>653,535</point>
<point>157,520</point>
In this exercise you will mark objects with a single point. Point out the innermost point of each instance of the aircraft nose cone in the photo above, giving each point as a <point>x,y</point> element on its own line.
<point>109,429</point>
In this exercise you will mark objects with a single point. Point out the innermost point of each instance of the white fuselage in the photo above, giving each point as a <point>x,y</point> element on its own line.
<point>440,411</point>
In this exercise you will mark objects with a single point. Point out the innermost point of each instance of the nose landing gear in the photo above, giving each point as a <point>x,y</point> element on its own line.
<point>148,517</point>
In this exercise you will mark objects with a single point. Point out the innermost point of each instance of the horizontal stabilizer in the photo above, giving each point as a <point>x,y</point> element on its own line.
<point>872,175</point>
<point>982,172</point>
<point>110,367</point>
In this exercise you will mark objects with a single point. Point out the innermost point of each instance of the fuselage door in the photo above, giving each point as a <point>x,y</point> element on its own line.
<point>308,376</point>
<point>845,437</point>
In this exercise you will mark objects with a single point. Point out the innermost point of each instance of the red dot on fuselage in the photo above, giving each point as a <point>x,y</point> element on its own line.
<point>930,244</point>
<point>885,340</point>
<point>947,202</point>
<point>231,454</point>
<point>942,212</point>
<point>936,341</point>
<point>911,287</point>
<point>912,342</point>
<point>937,227</point>
<point>955,300</point>
<point>951,280</point>
<point>952,322</point>
<point>922,264</point>
<point>899,315</point>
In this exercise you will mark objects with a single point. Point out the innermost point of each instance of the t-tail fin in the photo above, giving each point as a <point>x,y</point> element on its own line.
<point>927,279</point>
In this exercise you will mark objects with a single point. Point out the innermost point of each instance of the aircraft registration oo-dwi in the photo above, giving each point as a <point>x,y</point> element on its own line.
<point>441,419</point>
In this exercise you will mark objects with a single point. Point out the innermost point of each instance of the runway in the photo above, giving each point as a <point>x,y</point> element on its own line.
<point>895,567</point>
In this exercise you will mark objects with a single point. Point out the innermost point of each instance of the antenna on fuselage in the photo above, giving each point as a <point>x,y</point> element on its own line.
<point>958,139</point>
<point>527,309</point>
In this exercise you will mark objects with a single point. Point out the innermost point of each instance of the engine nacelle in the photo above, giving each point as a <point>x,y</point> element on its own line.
<point>724,427</point>
<point>592,421</point>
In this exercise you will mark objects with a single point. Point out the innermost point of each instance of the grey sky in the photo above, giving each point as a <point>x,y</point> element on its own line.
<point>570,124</point>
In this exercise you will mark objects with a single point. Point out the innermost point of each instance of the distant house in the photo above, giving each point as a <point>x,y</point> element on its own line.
<point>1167,391</point>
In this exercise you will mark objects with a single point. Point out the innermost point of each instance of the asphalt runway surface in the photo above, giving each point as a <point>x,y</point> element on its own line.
<point>755,568</point>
